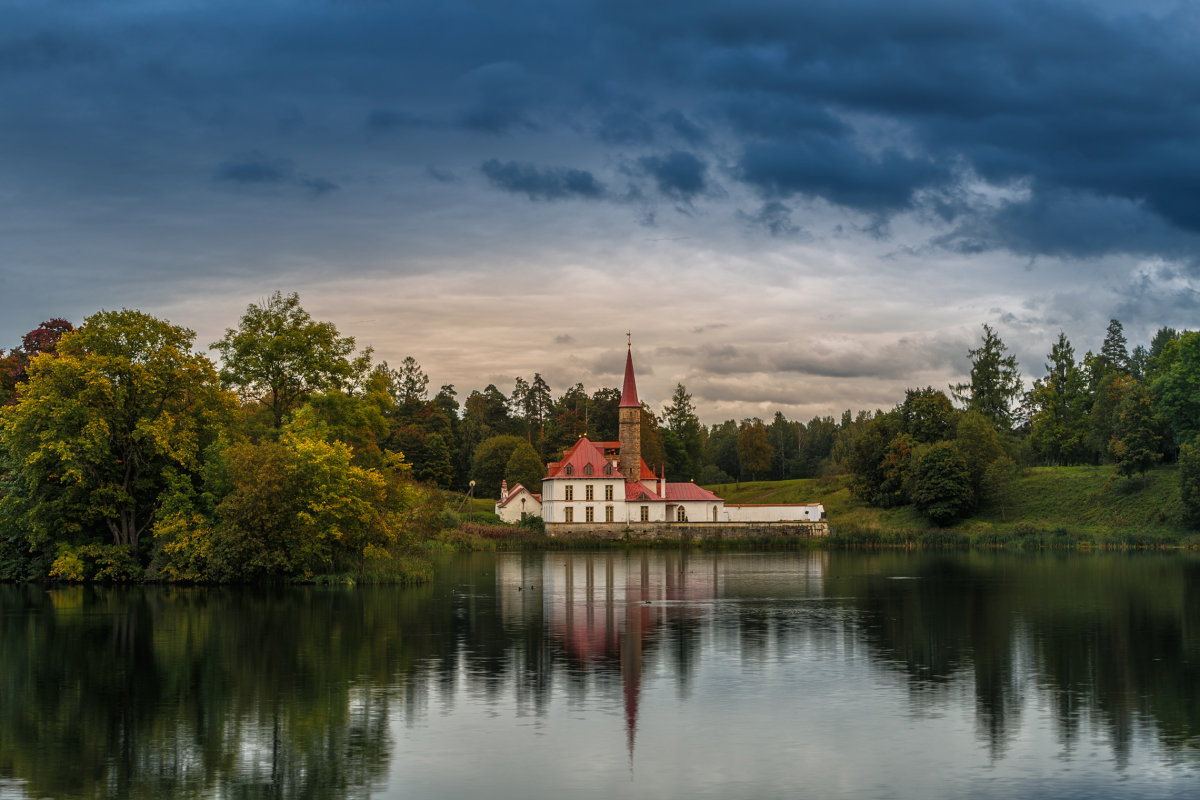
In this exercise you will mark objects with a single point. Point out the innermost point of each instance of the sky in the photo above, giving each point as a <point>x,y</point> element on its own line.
<point>795,206</point>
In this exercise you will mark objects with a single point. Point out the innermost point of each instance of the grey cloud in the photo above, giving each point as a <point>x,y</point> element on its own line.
<point>549,183</point>
<point>257,169</point>
<point>625,128</point>
<point>774,217</point>
<point>564,338</point>
<point>678,123</point>
<point>679,175</point>
<point>441,175</point>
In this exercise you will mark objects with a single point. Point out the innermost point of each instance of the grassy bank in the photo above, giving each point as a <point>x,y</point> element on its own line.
<point>1076,507</point>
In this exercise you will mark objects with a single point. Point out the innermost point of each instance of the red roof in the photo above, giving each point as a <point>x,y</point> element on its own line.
<point>515,491</point>
<point>636,491</point>
<point>629,398</point>
<point>585,452</point>
<point>689,491</point>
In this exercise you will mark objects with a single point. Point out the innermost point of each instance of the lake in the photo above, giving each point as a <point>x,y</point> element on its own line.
<point>620,674</point>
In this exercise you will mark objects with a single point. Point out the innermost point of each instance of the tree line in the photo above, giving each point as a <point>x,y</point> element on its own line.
<point>126,453</point>
<point>1131,409</point>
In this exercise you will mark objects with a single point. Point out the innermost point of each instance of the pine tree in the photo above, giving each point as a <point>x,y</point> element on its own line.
<point>995,381</point>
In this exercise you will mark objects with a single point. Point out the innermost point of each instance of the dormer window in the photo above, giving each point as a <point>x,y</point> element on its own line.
<point>570,470</point>
<point>587,470</point>
<point>608,469</point>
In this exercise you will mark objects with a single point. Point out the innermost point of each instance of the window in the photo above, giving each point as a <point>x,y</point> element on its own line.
<point>680,515</point>
<point>645,513</point>
<point>587,470</point>
<point>568,514</point>
<point>608,492</point>
<point>588,493</point>
<point>608,469</point>
<point>570,493</point>
<point>589,514</point>
<point>608,513</point>
<point>714,513</point>
<point>570,470</point>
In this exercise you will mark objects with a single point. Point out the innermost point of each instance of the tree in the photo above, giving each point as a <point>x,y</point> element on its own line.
<point>1114,352</point>
<point>754,452</point>
<point>413,382</point>
<point>1176,386</point>
<point>1059,408</point>
<point>995,381</point>
<point>942,489</point>
<point>721,450</point>
<point>278,356</point>
<point>1000,483</point>
<point>1189,481</point>
<point>681,419</point>
<point>979,446</point>
<point>102,427</point>
<point>1136,439</point>
<point>927,414</point>
<point>525,467</point>
<point>490,463</point>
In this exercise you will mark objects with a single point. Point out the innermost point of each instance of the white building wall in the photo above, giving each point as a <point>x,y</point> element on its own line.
<point>779,513</point>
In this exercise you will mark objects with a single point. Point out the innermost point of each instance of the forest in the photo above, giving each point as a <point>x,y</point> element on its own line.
<point>126,454</point>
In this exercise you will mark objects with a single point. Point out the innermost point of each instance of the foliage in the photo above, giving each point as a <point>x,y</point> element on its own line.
<point>1189,482</point>
<point>278,356</point>
<point>942,490</point>
<point>490,463</point>
<point>979,445</point>
<point>102,426</point>
<point>1176,386</point>
<point>525,467</point>
<point>995,381</point>
<point>928,415</point>
<point>754,452</point>
<point>1060,404</point>
<point>1136,439</point>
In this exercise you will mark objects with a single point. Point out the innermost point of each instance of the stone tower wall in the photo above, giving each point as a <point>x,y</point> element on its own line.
<point>630,434</point>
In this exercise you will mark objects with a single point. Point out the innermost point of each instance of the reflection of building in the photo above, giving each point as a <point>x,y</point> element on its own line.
<point>608,483</point>
<point>604,609</point>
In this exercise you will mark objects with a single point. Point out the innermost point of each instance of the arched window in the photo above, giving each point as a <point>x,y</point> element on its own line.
<point>570,470</point>
<point>608,468</point>
<point>587,470</point>
<point>714,513</point>
<point>680,515</point>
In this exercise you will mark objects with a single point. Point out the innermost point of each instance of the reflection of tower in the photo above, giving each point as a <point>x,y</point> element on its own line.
<point>629,416</point>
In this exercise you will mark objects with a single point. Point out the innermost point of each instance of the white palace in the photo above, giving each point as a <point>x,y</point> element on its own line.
<point>609,482</point>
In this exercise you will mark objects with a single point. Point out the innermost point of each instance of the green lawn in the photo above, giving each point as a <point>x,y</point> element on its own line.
<point>1069,505</point>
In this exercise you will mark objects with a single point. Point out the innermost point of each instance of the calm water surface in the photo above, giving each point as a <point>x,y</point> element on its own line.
<point>643,674</point>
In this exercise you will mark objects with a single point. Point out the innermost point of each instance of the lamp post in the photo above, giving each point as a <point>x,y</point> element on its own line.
<point>470,498</point>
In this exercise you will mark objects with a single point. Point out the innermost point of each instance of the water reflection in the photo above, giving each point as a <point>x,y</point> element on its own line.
<point>620,673</point>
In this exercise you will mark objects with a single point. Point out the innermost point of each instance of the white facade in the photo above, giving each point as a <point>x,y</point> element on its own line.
<point>784,512</point>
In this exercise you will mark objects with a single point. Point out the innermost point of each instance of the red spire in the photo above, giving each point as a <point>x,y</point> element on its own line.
<point>629,398</point>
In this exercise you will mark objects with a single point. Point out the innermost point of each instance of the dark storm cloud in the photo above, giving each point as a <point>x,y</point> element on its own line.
<point>549,183</point>
<point>678,175</point>
<point>678,124</point>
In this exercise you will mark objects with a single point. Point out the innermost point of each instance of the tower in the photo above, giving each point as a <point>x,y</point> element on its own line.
<point>629,418</point>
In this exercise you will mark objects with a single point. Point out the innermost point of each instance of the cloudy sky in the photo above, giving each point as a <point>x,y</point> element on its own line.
<point>804,206</point>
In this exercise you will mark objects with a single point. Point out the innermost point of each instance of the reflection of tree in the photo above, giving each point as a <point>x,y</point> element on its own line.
<point>1112,640</point>
<point>289,692</point>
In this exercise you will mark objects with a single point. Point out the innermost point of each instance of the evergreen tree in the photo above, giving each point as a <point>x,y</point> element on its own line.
<point>1114,352</point>
<point>995,381</point>
<point>681,419</point>
<point>753,449</point>
<point>1059,404</point>
<point>1136,439</point>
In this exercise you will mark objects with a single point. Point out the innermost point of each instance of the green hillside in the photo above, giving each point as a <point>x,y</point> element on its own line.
<point>1060,506</point>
